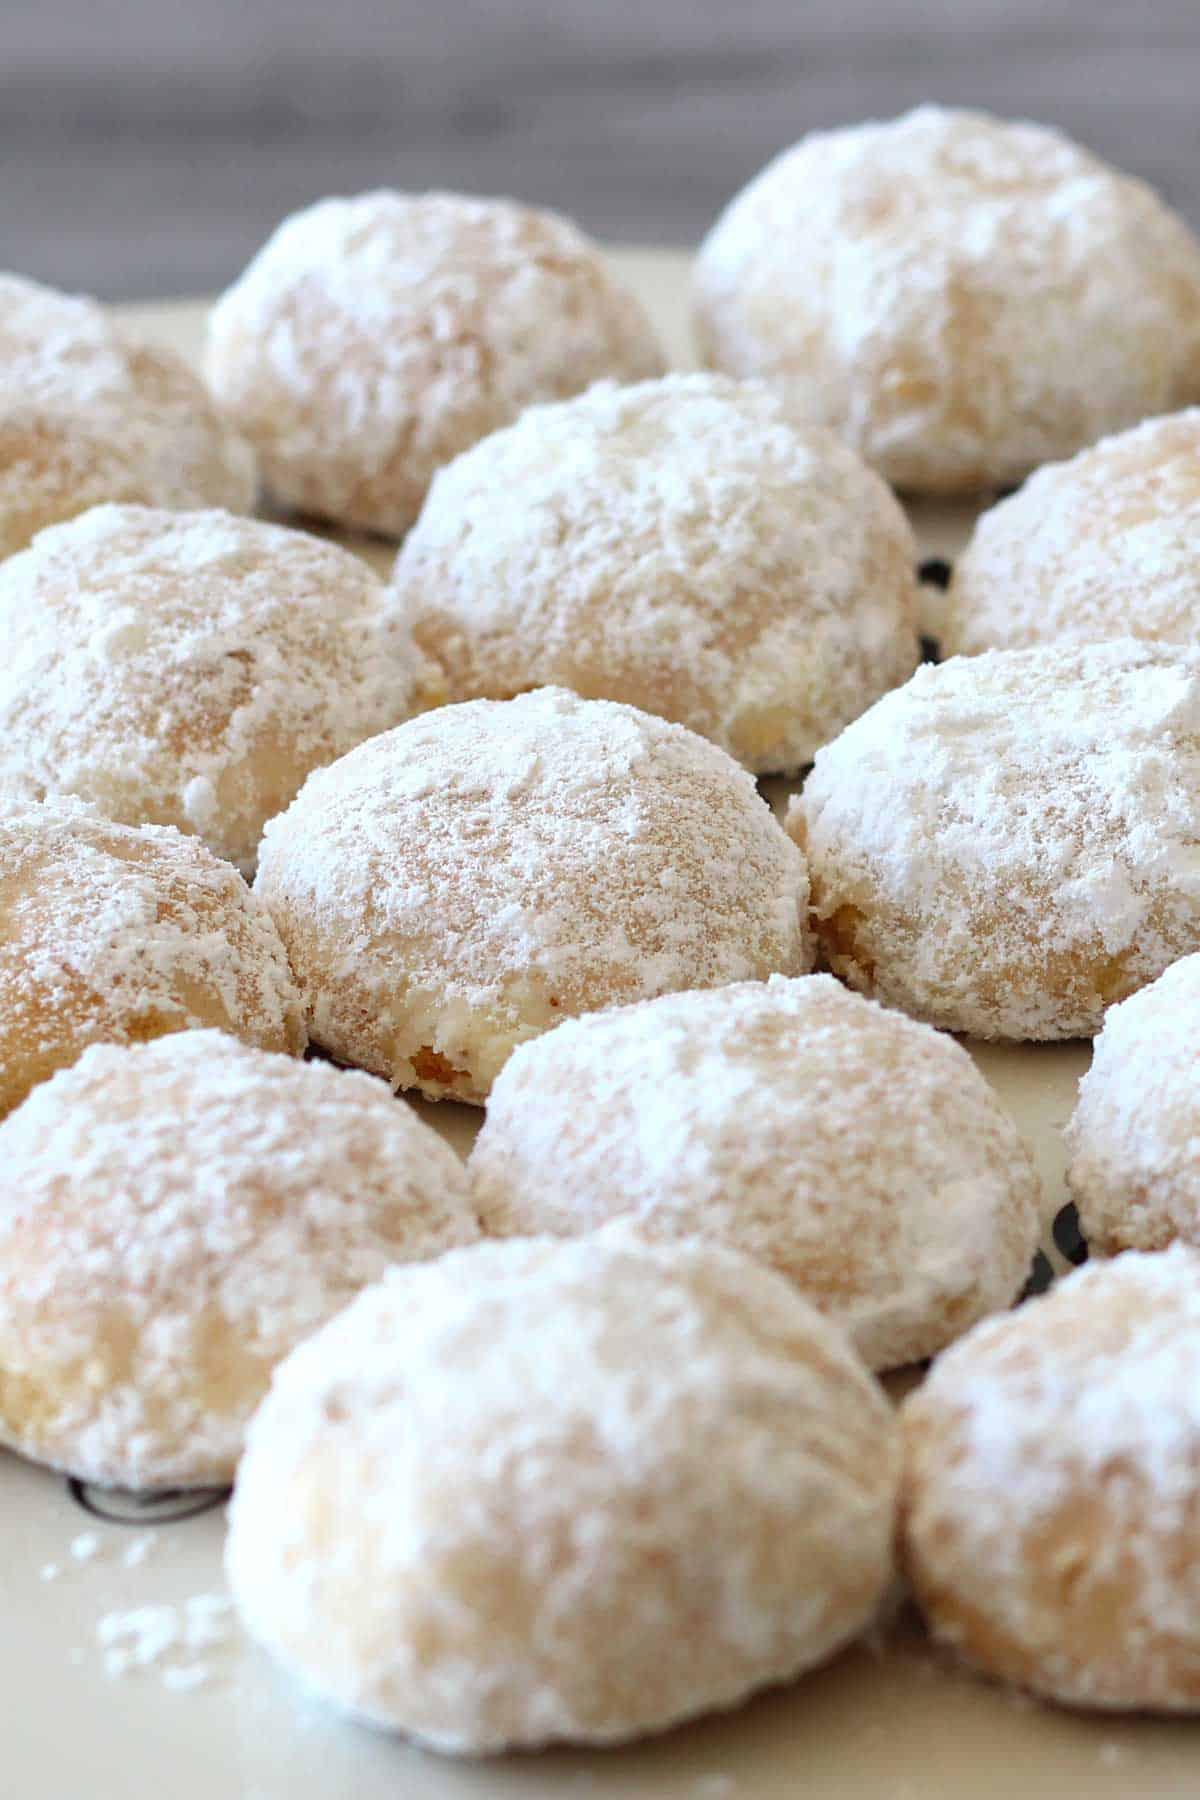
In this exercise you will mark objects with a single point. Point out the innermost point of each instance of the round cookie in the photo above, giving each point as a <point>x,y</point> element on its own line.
<point>679,546</point>
<point>1134,1137</point>
<point>1102,546</point>
<point>88,413</point>
<point>373,338</point>
<point>1050,1505</point>
<point>961,297</point>
<point>1007,844</point>
<point>544,1492</point>
<point>454,887</point>
<point>177,1216</point>
<point>116,934</point>
<point>856,1152</point>
<point>189,669</point>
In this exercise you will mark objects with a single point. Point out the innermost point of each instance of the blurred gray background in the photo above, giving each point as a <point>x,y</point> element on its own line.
<point>149,145</point>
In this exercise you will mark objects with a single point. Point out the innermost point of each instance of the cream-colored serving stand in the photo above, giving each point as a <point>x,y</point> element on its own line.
<point>888,1721</point>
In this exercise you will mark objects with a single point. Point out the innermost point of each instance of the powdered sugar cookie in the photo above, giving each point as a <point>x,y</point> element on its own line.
<point>680,546</point>
<point>856,1152</point>
<point>962,297</point>
<point>374,338</point>
<point>543,1491</point>
<point>1135,1134</point>
<point>88,414</point>
<point>111,934</point>
<point>459,885</point>
<point>189,669</point>
<point>1007,845</point>
<point>176,1217</point>
<point>1102,546</point>
<point>1050,1502</point>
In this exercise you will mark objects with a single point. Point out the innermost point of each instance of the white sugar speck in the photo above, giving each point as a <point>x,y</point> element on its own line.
<point>86,1547</point>
<point>147,1632</point>
<point>186,1679</point>
<point>180,1642</point>
<point>207,1619</point>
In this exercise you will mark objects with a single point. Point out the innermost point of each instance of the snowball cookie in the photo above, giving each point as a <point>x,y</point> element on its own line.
<point>88,413</point>
<point>189,669</point>
<point>459,885</point>
<point>374,338</point>
<point>551,1491</point>
<point>962,297</point>
<point>679,546</point>
<point>1050,1500</point>
<point>1102,546</point>
<point>177,1216</point>
<point>1007,844</point>
<point>858,1153</point>
<point>115,934</point>
<point>1134,1137</point>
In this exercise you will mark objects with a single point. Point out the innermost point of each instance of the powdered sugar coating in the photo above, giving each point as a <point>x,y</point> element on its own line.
<point>189,669</point>
<point>680,546</point>
<point>176,1218</point>
<point>564,1491</point>
<point>115,934</point>
<point>454,887</point>
<point>1134,1136</point>
<point>1011,842</point>
<point>373,338</point>
<point>856,1152</point>
<point>962,297</point>
<point>88,413</point>
<point>1102,546</point>
<point>1050,1504</point>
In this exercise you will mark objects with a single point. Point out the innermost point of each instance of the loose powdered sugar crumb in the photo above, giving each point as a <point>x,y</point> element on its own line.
<point>188,1645</point>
